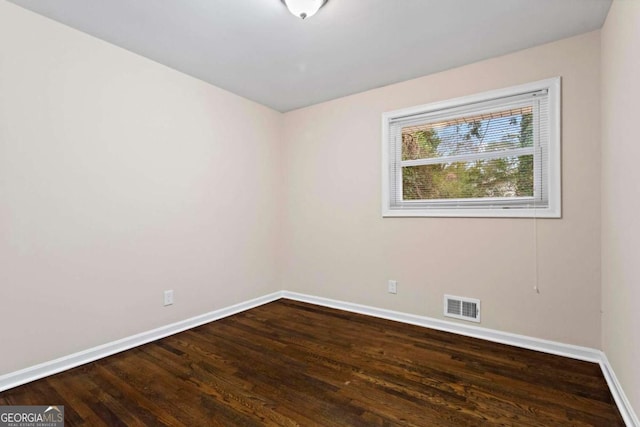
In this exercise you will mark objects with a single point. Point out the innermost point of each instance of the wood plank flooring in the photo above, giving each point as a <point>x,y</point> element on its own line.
<point>293,364</point>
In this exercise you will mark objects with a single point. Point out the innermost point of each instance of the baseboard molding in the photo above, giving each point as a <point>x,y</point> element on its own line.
<point>14,379</point>
<point>545,346</point>
<point>624,406</point>
<point>552,347</point>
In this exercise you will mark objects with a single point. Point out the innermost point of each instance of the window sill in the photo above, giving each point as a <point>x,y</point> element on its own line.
<point>472,213</point>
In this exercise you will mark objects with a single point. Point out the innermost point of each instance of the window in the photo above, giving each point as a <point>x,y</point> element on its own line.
<point>494,154</point>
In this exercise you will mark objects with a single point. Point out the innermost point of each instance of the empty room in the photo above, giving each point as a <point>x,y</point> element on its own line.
<point>319,212</point>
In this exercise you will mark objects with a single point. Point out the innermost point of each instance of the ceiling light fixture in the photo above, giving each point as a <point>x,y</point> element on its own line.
<point>304,8</point>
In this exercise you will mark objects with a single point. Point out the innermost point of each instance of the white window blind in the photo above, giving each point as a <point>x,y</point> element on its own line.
<point>493,154</point>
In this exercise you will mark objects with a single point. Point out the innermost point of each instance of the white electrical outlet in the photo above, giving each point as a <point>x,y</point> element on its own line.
<point>168,297</point>
<point>392,287</point>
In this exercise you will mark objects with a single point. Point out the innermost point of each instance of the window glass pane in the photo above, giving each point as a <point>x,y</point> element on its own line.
<point>503,177</point>
<point>490,132</point>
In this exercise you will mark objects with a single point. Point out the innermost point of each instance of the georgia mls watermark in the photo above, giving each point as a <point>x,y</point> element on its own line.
<point>32,416</point>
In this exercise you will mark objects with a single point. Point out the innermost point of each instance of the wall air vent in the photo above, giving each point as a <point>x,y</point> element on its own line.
<point>462,308</point>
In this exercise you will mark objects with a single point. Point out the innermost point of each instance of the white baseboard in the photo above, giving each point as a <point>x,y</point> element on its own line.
<point>32,373</point>
<point>14,379</point>
<point>624,406</point>
<point>522,341</point>
<point>552,347</point>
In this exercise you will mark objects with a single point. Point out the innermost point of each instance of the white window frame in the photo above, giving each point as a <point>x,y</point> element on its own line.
<point>481,207</point>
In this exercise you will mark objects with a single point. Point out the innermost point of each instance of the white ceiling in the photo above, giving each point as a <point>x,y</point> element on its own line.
<point>256,49</point>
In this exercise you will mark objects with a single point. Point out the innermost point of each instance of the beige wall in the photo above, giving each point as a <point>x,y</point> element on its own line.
<point>337,245</point>
<point>621,194</point>
<point>119,179</point>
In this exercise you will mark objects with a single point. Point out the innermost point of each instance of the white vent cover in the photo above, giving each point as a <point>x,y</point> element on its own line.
<point>462,308</point>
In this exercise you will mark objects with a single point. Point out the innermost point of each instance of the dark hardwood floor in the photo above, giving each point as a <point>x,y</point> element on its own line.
<point>294,364</point>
